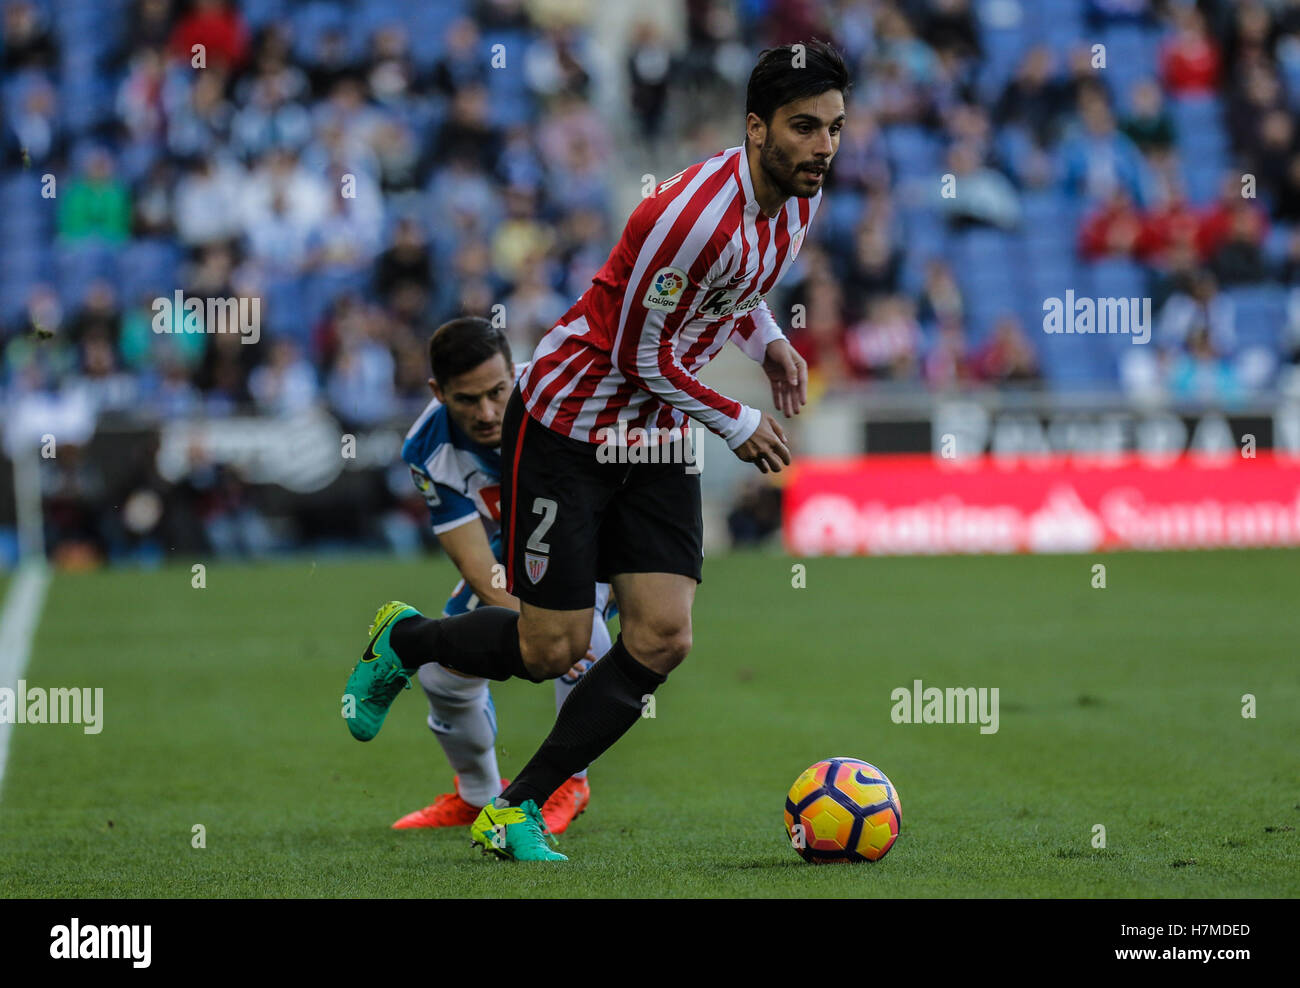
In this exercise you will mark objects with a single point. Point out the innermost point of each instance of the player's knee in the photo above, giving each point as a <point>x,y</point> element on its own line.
<point>661,647</point>
<point>553,656</point>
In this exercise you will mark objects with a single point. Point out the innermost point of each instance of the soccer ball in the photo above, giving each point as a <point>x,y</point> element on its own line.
<point>842,810</point>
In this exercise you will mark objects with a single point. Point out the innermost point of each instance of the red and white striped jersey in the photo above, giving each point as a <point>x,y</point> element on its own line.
<point>689,273</point>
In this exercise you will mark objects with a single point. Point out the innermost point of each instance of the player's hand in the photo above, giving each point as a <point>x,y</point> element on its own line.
<point>582,665</point>
<point>767,448</point>
<point>788,373</point>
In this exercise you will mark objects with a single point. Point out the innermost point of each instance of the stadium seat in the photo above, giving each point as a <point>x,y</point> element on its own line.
<point>1260,314</point>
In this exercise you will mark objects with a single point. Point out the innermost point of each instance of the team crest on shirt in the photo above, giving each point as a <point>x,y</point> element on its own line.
<point>536,565</point>
<point>795,244</point>
<point>665,289</point>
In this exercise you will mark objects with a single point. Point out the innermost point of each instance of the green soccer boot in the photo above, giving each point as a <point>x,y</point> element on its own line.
<point>515,833</point>
<point>378,676</point>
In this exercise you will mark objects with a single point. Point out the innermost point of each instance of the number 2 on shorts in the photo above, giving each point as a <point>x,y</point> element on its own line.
<point>545,507</point>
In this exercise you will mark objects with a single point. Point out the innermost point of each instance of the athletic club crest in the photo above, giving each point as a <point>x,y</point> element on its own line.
<point>536,565</point>
<point>795,244</point>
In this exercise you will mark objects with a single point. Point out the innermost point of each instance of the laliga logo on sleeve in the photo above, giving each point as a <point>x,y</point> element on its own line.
<point>665,289</point>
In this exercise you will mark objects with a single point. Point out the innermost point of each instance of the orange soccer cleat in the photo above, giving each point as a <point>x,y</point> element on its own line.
<point>566,804</point>
<point>448,810</point>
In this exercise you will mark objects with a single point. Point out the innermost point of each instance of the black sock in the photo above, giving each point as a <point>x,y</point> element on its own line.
<point>604,704</point>
<point>483,642</point>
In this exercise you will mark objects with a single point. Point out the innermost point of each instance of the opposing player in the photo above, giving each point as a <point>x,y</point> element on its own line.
<point>452,452</point>
<point>689,273</point>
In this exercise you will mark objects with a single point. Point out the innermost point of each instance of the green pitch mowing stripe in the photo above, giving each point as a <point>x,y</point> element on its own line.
<point>1119,707</point>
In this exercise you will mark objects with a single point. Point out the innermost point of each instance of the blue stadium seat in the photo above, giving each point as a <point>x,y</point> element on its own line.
<point>1118,277</point>
<point>81,263</point>
<point>312,20</point>
<point>150,267</point>
<point>1260,314</point>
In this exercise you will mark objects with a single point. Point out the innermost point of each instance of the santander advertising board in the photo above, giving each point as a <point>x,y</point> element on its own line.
<point>917,504</point>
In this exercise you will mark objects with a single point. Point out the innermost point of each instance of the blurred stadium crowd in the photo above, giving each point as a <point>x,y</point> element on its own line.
<point>366,171</point>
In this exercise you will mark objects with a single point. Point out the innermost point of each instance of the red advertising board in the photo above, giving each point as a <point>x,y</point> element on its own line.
<point>919,504</point>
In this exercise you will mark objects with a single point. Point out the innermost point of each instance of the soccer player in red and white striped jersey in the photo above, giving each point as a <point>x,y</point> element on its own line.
<point>581,502</point>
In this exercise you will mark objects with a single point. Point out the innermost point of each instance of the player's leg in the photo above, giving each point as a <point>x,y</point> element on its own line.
<point>545,480</point>
<point>651,540</point>
<point>655,617</point>
<point>462,718</point>
<point>570,800</point>
<point>600,644</point>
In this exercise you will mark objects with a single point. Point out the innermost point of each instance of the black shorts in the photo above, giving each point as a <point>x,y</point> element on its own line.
<point>569,520</point>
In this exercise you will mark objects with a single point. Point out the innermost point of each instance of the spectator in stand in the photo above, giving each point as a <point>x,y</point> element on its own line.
<point>1231,218</point>
<point>1096,157</point>
<point>941,302</point>
<point>1201,373</point>
<point>821,338</point>
<point>886,344</point>
<point>1114,229</point>
<point>97,204</point>
<point>208,202</point>
<point>463,61</point>
<point>285,384</point>
<point>219,28</point>
<point>29,44</point>
<point>1148,124</point>
<point>1034,99</point>
<point>199,118</point>
<point>1171,226</point>
<point>1251,35</point>
<point>862,161</point>
<point>37,133</point>
<point>1255,93</point>
<point>1007,359</point>
<point>985,197</point>
<point>1270,158</point>
<point>873,270</point>
<point>553,63</point>
<point>406,262</point>
<point>468,133</point>
<point>520,236</point>
<point>533,307</point>
<point>947,363</point>
<point>1189,59</point>
<point>1202,309</point>
<point>99,316</point>
<point>361,384</point>
<point>1239,257</point>
<point>649,61</point>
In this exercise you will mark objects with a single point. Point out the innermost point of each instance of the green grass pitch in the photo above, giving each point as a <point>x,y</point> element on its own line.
<point>1119,706</point>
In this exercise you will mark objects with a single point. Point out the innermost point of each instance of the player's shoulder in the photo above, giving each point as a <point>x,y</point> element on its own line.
<point>711,182</point>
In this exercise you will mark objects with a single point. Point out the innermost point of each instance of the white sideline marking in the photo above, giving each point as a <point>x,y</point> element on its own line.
<point>18,620</point>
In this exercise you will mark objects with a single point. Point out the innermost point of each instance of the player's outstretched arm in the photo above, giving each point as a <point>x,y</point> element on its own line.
<point>468,547</point>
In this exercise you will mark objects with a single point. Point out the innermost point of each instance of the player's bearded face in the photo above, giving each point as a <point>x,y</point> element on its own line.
<point>787,173</point>
<point>796,155</point>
